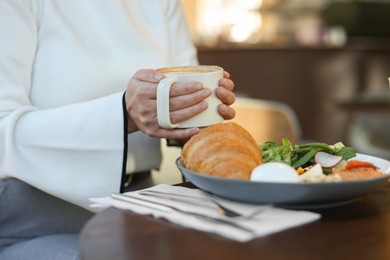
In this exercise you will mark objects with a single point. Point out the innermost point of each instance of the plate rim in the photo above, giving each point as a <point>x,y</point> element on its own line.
<point>284,194</point>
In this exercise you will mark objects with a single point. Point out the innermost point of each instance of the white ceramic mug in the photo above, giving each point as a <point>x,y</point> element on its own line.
<point>208,76</point>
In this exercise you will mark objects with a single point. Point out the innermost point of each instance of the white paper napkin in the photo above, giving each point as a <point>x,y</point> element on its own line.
<point>260,221</point>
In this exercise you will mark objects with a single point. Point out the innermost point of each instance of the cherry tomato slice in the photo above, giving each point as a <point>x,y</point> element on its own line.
<point>359,164</point>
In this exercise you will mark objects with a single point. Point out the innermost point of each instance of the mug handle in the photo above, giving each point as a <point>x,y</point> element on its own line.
<point>163,88</point>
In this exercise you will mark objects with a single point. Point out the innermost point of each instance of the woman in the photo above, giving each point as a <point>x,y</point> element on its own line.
<point>70,127</point>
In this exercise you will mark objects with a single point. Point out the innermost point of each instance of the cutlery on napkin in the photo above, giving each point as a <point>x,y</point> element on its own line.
<point>171,209</point>
<point>202,214</point>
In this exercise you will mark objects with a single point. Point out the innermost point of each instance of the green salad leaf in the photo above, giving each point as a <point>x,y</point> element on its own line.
<point>301,155</point>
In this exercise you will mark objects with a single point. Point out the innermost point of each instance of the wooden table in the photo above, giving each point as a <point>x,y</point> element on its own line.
<point>359,230</point>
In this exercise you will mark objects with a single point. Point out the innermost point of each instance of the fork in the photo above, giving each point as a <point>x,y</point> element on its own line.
<point>222,210</point>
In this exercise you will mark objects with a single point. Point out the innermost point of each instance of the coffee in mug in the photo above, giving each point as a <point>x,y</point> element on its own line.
<point>208,76</point>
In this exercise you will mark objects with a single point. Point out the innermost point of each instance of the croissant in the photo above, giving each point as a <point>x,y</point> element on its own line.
<point>225,150</point>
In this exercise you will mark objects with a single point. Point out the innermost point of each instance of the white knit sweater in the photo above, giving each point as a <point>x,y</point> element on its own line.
<point>64,66</point>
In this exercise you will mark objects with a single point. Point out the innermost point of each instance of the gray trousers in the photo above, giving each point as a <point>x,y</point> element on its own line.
<point>35,225</point>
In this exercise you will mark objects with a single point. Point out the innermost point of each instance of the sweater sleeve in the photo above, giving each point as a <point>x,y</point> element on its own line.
<point>74,151</point>
<point>183,51</point>
<point>69,151</point>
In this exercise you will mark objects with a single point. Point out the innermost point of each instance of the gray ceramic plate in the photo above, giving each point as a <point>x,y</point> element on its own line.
<point>294,195</point>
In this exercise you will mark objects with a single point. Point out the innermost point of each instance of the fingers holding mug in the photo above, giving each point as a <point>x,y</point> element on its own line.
<point>184,95</point>
<point>185,113</point>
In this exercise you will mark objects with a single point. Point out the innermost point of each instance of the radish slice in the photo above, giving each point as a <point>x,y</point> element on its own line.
<point>327,160</point>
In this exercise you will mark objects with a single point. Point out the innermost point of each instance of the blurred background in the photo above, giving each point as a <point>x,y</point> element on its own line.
<point>328,60</point>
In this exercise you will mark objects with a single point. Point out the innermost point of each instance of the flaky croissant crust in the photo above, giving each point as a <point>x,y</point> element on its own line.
<point>225,150</point>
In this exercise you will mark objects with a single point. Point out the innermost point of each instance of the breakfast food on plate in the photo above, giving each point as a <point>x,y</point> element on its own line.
<point>228,150</point>
<point>225,150</point>
<point>314,163</point>
<point>350,171</point>
<point>357,170</point>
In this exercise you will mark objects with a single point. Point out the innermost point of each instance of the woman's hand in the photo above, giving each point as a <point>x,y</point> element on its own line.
<point>186,100</point>
<point>225,93</point>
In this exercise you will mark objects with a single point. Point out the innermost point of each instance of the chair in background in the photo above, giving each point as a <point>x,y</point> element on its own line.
<point>369,134</point>
<point>267,120</point>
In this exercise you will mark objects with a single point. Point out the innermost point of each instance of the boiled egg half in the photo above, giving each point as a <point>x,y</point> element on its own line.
<point>274,172</point>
